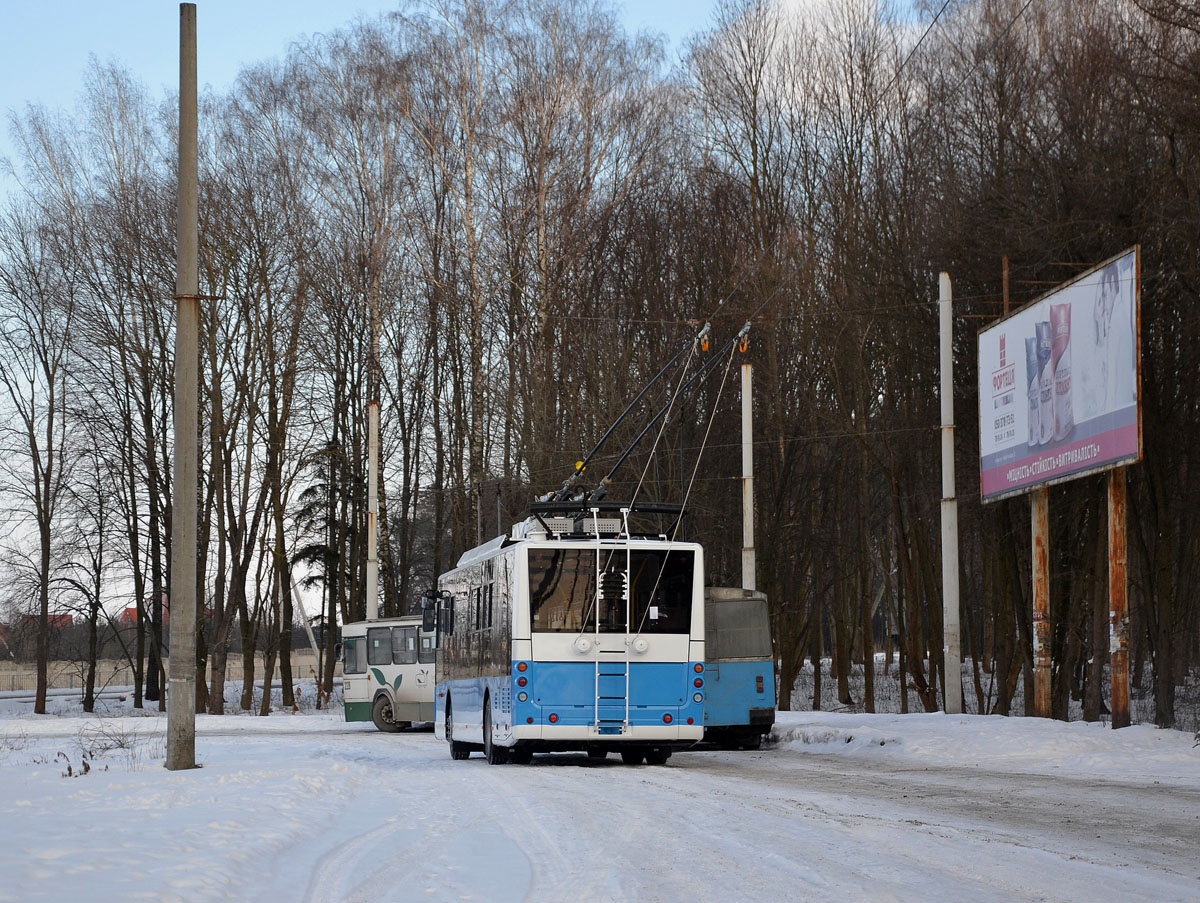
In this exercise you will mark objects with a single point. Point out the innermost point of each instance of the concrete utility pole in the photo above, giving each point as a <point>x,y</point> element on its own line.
<point>748,573</point>
<point>373,473</point>
<point>373,509</point>
<point>181,698</point>
<point>951,653</point>
<point>374,379</point>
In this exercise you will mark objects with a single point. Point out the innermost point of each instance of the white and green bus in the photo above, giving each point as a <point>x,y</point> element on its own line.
<point>388,671</point>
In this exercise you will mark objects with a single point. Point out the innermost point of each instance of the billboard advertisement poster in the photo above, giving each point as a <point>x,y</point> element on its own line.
<point>1059,383</point>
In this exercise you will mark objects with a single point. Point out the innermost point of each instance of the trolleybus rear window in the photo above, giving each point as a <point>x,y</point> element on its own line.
<point>563,594</point>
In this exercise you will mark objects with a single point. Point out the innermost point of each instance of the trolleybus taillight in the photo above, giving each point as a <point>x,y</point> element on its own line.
<point>667,719</point>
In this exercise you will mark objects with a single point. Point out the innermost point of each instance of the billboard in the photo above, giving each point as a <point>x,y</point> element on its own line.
<point>1059,383</point>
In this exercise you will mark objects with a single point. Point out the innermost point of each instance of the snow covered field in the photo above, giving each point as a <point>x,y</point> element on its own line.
<point>850,807</point>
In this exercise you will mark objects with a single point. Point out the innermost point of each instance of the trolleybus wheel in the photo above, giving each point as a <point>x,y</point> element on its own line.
<point>496,755</point>
<point>597,753</point>
<point>458,751</point>
<point>631,757</point>
<point>520,756</point>
<point>381,714</point>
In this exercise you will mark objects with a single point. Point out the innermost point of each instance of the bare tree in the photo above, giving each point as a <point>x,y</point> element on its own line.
<point>37,307</point>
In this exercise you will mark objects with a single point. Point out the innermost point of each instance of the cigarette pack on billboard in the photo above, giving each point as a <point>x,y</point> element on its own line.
<point>1060,333</point>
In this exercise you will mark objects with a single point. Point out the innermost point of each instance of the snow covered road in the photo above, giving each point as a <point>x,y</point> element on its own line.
<point>850,807</point>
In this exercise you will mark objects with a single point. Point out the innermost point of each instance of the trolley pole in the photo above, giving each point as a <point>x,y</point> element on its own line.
<point>181,698</point>
<point>951,654</point>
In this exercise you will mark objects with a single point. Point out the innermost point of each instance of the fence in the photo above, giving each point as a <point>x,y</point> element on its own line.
<point>67,675</point>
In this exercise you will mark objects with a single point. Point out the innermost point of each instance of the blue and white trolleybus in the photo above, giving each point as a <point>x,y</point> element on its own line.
<point>739,668</point>
<point>573,633</point>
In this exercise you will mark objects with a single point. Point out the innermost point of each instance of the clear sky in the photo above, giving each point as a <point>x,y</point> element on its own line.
<point>45,44</point>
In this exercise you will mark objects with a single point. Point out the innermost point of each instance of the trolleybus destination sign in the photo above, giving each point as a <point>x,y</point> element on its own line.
<point>1059,383</point>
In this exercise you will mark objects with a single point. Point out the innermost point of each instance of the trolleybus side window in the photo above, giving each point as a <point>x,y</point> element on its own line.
<point>379,646</point>
<point>354,656</point>
<point>404,645</point>
<point>428,650</point>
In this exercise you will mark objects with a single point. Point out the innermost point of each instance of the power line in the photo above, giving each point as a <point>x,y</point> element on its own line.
<point>915,48</point>
<point>991,47</point>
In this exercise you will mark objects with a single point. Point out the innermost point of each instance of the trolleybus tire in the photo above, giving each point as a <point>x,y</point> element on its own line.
<point>381,714</point>
<point>520,756</point>
<point>597,753</point>
<point>632,756</point>
<point>458,751</point>
<point>496,755</point>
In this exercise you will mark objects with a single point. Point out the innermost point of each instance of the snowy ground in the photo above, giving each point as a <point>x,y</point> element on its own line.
<point>883,807</point>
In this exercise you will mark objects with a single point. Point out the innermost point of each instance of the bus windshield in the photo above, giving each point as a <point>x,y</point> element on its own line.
<point>563,594</point>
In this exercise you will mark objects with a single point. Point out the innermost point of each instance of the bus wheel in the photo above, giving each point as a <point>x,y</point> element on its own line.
<point>658,756</point>
<point>597,753</point>
<point>381,714</point>
<point>632,757</point>
<point>520,756</point>
<point>496,755</point>
<point>458,751</point>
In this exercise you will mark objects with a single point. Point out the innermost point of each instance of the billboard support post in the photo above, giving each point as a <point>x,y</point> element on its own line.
<point>1118,583</point>
<point>1039,510</point>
